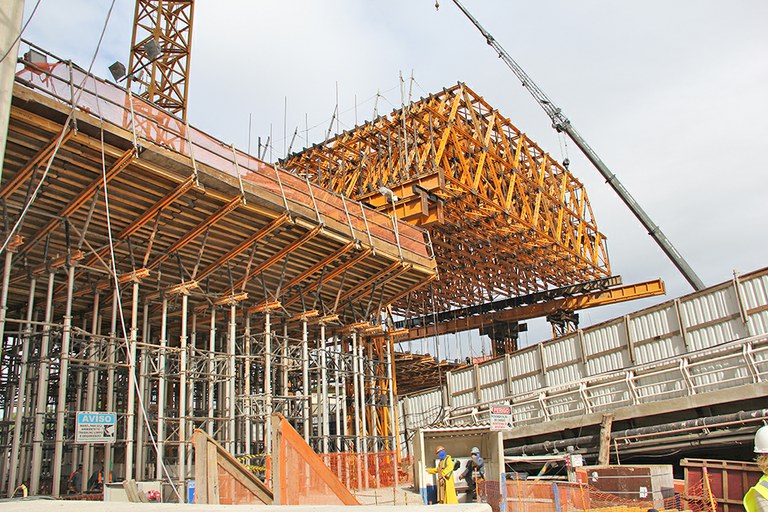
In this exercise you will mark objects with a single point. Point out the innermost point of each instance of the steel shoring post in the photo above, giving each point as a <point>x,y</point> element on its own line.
<point>324,390</point>
<point>232,374</point>
<point>356,389</point>
<point>247,383</point>
<point>391,407</point>
<point>364,434</point>
<point>268,384</point>
<point>337,394</point>
<point>284,362</point>
<point>182,394</point>
<point>211,351</point>
<point>161,391</point>
<point>361,384</point>
<point>21,404</point>
<point>143,384</point>
<point>61,405</point>
<point>131,413</point>
<point>345,364</point>
<point>42,393</point>
<point>305,379</point>
<point>109,451</point>
<point>4,309</point>
<point>90,382</point>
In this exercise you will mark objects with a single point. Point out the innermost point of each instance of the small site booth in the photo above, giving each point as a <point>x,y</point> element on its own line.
<point>458,441</point>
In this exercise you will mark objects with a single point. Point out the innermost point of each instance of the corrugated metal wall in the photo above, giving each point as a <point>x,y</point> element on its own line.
<point>705,341</point>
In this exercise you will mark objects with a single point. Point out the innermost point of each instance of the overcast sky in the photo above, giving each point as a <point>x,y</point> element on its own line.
<point>672,94</point>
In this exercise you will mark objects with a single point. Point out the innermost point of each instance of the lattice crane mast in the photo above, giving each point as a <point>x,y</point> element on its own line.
<point>561,123</point>
<point>161,46</point>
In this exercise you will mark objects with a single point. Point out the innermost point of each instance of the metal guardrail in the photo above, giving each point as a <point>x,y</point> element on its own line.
<point>67,83</point>
<point>731,364</point>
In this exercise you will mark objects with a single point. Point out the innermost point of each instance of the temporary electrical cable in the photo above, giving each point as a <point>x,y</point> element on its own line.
<point>131,362</point>
<point>13,44</point>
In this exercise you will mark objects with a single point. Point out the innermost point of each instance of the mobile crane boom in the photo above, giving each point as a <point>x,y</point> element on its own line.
<point>561,123</point>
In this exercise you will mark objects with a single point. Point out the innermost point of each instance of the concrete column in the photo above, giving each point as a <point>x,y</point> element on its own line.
<point>11,15</point>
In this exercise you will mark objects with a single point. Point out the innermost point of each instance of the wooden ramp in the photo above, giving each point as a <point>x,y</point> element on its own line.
<point>221,479</point>
<point>300,475</point>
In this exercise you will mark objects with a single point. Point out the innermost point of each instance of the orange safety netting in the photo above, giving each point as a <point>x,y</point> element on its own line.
<point>537,496</point>
<point>368,470</point>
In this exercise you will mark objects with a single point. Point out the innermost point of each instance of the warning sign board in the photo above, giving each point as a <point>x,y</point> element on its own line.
<point>95,427</point>
<point>501,417</point>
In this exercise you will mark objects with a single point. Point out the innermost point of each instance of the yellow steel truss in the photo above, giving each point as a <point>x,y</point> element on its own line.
<point>505,218</point>
<point>165,79</point>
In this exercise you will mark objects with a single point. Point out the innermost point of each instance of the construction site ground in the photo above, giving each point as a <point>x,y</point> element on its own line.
<point>88,506</point>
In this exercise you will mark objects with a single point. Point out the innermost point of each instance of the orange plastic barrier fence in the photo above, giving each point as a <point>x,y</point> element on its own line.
<point>369,470</point>
<point>528,496</point>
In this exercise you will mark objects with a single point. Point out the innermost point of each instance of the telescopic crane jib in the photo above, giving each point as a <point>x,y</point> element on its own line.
<point>562,124</point>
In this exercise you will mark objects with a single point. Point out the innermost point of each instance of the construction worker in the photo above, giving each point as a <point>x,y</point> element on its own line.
<point>75,481</point>
<point>756,499</point>
<point>474,473</point>
<point>446,490</point>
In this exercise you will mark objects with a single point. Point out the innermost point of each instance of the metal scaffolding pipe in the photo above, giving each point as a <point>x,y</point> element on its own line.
<point>90,381</point>
<point>182,474</point>
<point>247,383</point>
<point>305,379</point>
<point>109,450</point>
<point>61,400</point>
<point>232,379</point>
<point>391,407</point>
<point>161,390</point>
<point>4,306</point>
<point>338,376</point>
<point>42,393</point>
<point>21,405</point>
<point>361,385</point>
<point>356,389</point>
<point>268,384</point>
<point>211,351</point>
<point>323,431</point>
<point>131,405</point>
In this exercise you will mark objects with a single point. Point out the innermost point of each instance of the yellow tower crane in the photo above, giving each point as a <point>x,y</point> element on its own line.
<point>160,52</point>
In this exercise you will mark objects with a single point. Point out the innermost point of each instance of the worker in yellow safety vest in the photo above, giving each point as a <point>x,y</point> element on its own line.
<point>446,489</point>
<point>756,499</point>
